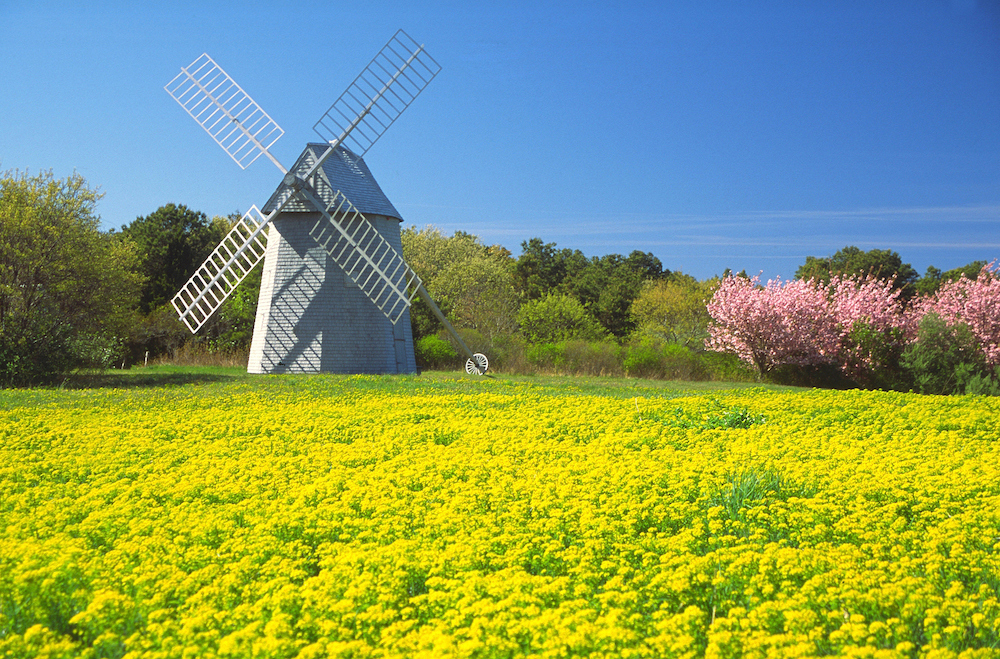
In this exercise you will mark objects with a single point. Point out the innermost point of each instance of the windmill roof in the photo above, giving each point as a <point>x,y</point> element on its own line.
<point>347,172</point>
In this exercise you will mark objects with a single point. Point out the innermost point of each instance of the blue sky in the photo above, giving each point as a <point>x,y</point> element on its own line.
<point>742,135</point>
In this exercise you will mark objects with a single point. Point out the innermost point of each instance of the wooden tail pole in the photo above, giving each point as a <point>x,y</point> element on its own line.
<point>477,362</point>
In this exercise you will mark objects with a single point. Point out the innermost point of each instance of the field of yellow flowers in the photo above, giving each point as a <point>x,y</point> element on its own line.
<point>380,517</point>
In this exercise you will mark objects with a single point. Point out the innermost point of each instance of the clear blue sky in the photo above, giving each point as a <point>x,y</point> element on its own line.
<point>743,135</point>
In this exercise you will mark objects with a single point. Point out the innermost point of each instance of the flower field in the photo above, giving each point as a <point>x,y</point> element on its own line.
<point>371,517</point>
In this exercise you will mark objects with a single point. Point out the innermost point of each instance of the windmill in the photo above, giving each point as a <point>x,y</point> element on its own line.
<point>335,292</point>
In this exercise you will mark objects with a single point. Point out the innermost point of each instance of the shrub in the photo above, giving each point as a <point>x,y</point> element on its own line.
<point>433,352</point>
<point>647,358</point>
<point>947,359</point>
<point>642,360</point>
<point>871,356</point>
<point>506,353</point>
<point>544,355</point>
<point>723,367</point>
<point>591,358</point>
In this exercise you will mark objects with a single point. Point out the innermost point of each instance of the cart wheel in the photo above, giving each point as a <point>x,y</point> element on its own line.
<point>477,364</point>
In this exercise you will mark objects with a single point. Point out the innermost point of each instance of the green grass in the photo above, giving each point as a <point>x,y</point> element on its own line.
<point>210,376</point>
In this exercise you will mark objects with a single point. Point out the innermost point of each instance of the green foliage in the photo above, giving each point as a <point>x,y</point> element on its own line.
<point>472,283</point>
<point>649,358</point>
<point>723,367</point>
<point>642,358</point>
<point>877,355</point>
<point>172,241</point>
<point>734,418</point>
<point>946,359</point>
<point>231,328</point>
<point>433,352</point>
<point>673,310</point>
<point>737,417</point>
<point>66,288</point>
<point>591,357</point>
<point>606,286</point>
<point>547,356</point>
<point>933,278</point>
<point>881,263</point>
<point>748,488</point>
<point>579,357</point>
<point>557,318</point>
<point>541,268</point>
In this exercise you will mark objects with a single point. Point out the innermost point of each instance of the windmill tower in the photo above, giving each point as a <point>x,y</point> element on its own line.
<point>335,291</point>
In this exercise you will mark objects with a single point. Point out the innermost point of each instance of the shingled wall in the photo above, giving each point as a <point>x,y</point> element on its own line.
<point>312,318</point>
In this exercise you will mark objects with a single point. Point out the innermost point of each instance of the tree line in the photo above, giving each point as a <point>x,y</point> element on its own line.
<point>74,296</point>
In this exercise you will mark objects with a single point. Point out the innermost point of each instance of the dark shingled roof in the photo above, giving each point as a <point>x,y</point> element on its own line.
<point>346,172</point>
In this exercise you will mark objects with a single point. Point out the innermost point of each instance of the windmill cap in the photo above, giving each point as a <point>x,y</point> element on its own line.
<point>346,172</point>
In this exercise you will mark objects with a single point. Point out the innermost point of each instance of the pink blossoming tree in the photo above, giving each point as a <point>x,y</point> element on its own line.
<point>972,302</point>
<point>850,322</point>
<point>872,325</point>
<point>774,324</point>
<point>859,324</point>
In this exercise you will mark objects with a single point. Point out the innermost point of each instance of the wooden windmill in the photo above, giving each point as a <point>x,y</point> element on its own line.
<point>335,292</point>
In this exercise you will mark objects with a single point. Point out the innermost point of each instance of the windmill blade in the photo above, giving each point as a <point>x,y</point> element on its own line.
<point>220,274</point>
<point>380,93</point>
<point>225,111</point>
<point>359,249</point>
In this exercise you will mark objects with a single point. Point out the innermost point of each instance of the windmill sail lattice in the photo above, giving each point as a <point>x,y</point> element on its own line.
<point>356,120</point>
<point>225,111</point>
<point>229,264</point>
<point>380,93</point>
<point>366,257</point>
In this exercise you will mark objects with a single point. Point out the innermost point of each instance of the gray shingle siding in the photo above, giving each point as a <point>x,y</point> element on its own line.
<point>312,318</point>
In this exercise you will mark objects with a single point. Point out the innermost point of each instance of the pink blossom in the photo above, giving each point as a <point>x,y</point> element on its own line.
<point>767,326</point>
<point>974,302</point>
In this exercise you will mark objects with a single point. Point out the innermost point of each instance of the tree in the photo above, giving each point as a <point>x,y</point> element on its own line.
<point>930,282</point>
<point>607,287</point>
<point>558,317</point>
<point>772,325</point>
<point>674,310</point>
<point>971,302</point>
<point>851,261</point>
<point>542,269</point>
<point>933,278</point>
<point>471,282</point>
<point>66,289</point>
<point>648,266</point>
<point>172,241</point>
<point>868,313</point>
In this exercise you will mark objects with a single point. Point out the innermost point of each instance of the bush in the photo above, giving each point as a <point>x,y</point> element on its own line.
<point>433,352</point>
<point>591,358</point>
<point>669,361</point>
<point>947,359</point>
<point>871,357</point>
<point>546,356</point>
<point>66,288</point>
<point>724,367</point>
<point>506,353</point>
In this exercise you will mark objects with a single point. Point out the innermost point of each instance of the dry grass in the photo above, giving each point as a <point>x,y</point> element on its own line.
<point>194,355</point>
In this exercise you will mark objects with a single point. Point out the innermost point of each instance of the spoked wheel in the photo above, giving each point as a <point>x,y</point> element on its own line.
<point>477,364</point>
